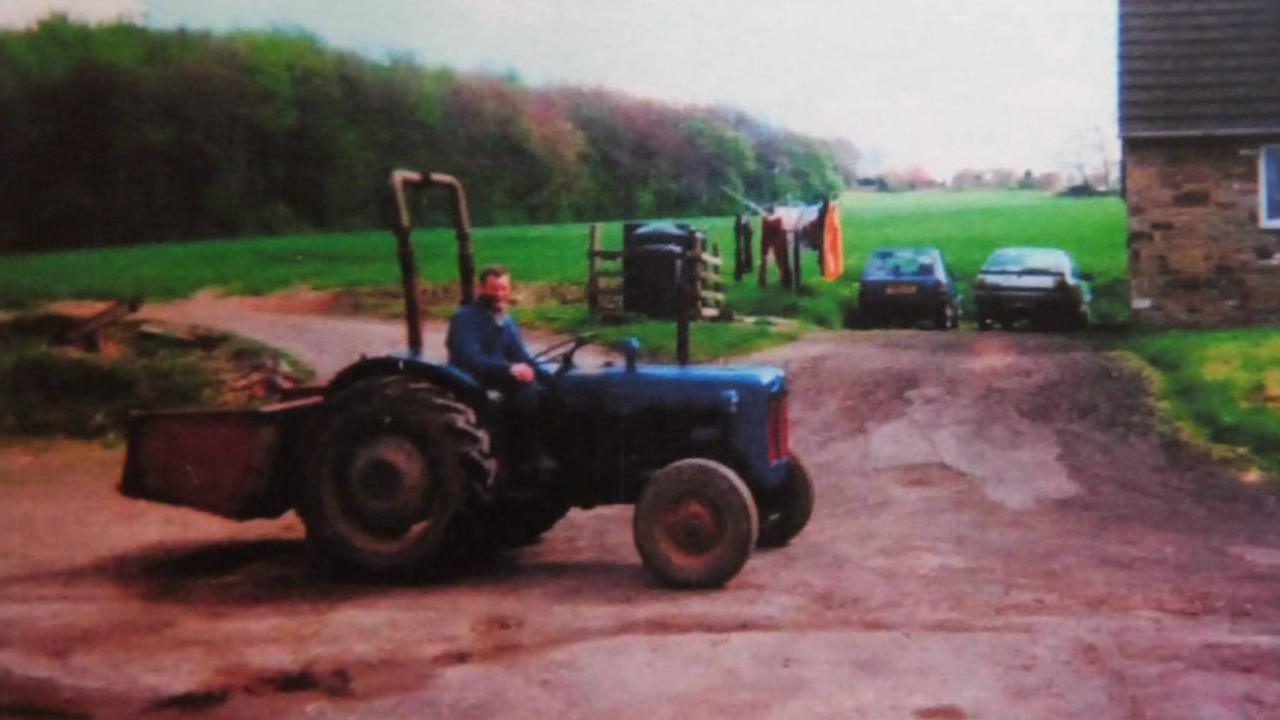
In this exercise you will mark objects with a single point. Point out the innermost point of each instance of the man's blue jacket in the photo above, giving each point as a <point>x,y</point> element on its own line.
<point>485,345</point>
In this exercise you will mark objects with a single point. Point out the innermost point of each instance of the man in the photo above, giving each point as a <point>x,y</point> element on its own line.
<point>483,340</point>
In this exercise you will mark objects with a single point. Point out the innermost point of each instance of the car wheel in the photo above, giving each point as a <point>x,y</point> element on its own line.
<point>695,524</point>
<point>1078,321</point>
<point>945,317</point>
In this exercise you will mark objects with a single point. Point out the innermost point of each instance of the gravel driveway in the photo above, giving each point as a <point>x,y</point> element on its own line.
<point>1001,532</point>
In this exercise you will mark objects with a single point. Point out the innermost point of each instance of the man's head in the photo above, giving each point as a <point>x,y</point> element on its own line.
<point>495,288</point>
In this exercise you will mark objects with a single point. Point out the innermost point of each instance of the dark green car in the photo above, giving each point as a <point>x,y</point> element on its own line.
<point>1038,285</point>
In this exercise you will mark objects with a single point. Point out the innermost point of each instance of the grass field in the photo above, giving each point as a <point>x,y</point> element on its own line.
<point>966,226</point>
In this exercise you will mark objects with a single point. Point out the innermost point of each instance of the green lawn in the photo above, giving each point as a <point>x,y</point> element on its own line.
<point>966,226</point>
<point>1221,385</point>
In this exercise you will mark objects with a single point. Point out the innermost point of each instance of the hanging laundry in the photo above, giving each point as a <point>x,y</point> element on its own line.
<point>773,239</point>
<point>832,248</point>
<point>790,228</point>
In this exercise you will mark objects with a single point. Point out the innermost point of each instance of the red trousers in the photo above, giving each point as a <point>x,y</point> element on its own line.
<point>774,239</point>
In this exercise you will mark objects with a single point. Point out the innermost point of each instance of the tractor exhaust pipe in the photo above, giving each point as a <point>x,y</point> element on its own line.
<point>401,179</point>
<point>461,230</point>
<point>683,300</point>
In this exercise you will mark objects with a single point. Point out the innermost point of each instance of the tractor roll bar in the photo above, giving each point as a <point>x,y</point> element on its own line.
<point>400,179</point>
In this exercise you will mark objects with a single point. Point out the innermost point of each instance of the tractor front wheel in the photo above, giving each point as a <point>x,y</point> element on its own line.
<point>793,509</point>
<point>695,524</point>
<point>395,463</point>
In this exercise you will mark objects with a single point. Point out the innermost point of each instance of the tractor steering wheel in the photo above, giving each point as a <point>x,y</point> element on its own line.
<point>563,351</point>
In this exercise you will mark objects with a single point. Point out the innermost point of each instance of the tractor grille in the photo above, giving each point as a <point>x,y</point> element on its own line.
<point>779,436</point>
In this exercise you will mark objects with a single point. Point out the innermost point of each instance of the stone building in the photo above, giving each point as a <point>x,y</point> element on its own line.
<point>1200,125</point>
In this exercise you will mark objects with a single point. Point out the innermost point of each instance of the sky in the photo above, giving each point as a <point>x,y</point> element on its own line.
<point>940,84</point>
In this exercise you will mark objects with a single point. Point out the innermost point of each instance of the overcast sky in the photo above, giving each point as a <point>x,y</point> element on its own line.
<point>943,84</point>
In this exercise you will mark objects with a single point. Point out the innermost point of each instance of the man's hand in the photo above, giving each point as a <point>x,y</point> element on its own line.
<point>522,372</point>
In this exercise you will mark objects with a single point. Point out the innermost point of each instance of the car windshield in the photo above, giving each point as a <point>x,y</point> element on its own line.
<point>900,263</point>
<point>1028,260</point>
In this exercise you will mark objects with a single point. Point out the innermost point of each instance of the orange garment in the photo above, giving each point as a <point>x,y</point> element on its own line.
<point>832,242</point>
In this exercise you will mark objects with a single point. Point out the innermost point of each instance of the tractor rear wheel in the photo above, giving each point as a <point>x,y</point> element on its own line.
<point>395,463</point>
<point>793,509</point>
<point>695,524</point>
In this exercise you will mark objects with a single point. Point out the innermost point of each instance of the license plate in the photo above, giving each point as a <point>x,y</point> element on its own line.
<point>901,289</point>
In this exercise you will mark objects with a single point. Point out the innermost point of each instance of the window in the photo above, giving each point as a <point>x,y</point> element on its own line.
<point>1269,187</point>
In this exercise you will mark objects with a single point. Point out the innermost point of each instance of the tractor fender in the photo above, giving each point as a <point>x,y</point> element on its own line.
<point>446,376</point>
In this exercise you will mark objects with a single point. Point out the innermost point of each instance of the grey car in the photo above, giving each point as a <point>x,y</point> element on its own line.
<point>1039,285</point>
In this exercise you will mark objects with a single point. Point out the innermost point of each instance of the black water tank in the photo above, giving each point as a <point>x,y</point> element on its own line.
<point>649,277</point>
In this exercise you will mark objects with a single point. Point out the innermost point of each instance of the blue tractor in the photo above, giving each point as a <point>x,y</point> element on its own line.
<point>401,464</point>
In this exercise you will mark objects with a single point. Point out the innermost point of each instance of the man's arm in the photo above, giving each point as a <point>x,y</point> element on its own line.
<point>519,352</point>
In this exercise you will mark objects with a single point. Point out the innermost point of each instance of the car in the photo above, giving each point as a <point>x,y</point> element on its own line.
<point>1036,284</point>
<point>910,284</point>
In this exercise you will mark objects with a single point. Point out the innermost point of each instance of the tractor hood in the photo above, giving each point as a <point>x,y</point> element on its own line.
<point>762,376</point>
<point>704,387</point>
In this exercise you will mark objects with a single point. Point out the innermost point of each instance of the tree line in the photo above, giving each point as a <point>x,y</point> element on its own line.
<point>117,134</point>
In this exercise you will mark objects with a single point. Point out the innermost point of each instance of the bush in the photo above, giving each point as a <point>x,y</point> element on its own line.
<point>45,392</point>
<point>57,391</point>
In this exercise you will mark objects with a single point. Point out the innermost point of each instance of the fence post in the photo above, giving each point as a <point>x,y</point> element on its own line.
<point>593,283</point>
<point>737,248</point>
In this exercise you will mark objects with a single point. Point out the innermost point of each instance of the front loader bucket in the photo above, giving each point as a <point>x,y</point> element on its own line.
<point>233,463</point>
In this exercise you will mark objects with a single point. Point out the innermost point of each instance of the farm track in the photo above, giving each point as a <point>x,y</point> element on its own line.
<point>1002,531</point>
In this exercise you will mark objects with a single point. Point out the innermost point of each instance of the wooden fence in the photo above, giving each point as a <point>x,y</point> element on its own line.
<point>605,281</point>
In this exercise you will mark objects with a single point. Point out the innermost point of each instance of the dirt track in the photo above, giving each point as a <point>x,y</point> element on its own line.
<point>1000,533</point>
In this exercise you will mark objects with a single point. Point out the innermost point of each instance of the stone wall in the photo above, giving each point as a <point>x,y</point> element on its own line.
<point>1197,257</point>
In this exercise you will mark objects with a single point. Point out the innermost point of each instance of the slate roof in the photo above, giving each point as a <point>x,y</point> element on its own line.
<point>1199,67</point>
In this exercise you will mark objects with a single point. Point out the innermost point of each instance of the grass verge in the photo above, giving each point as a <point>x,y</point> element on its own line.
<point>1221,386</point>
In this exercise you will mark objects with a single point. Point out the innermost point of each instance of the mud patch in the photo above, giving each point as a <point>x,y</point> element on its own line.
<point>228,573</point>
<point>332,683</point>
<point>1014,462</point>
<point>192,700</point>
<point>940,712</point>
<point>335,683</point>
<point>38,693</point>
<point>36,712</point>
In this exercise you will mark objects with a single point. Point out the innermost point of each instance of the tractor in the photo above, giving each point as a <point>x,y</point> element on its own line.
<point>401,464</point>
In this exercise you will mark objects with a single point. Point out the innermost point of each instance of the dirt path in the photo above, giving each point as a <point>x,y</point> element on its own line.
<point>326,342</point>
<point>1000,533</point>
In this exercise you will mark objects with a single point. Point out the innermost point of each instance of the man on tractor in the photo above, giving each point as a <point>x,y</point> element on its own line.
<point>484,341</point>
